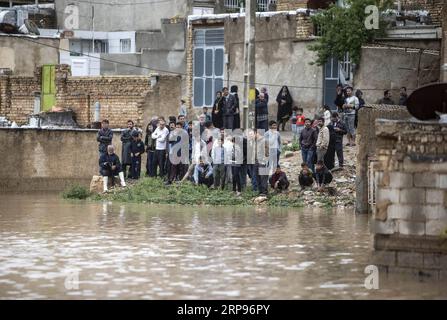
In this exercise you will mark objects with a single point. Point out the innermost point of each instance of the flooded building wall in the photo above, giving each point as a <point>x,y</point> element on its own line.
<point>48,160</point>
<point>410,216</point>
<point>366,140</point>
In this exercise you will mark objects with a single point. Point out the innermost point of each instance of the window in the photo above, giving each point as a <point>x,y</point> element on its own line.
<point>125,45</point>
<point>208,65</point>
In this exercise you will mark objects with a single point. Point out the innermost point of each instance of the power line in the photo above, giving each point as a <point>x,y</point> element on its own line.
<point>155,69</point>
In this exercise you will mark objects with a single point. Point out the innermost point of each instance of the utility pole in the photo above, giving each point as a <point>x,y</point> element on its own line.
<point>249,121</point>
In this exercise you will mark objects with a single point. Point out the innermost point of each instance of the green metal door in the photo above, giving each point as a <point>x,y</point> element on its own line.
<point>48,87</point>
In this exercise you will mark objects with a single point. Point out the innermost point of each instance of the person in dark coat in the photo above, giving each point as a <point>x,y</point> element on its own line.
<point>359,95</point>
<point>339,130</point>
<point>150,146</point>
<point>237,117</point>
<point>329,157</point>
<point>403,96</point>
<point>104,137</point>
<point>136,149</point>
<point>126,139</point>
<point>308,139</point>
<point>228,109</point>
<point>216,113</point>
<point>285,103</point>
<point>322,175</point>
<point>278,180</point>
<point>262,113</point>
<point>339,97</point>
<point>110,166</point>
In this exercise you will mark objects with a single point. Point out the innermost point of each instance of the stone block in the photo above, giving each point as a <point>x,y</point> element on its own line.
<point>401,180</point>
<point>419,167</point>
<point>384,227</point>
<point>432,260</point>
<point>411,228</point>
<point>435,227</point>
<point>412,196</point>
<point>383,257</point>
<point>430,180</point>
<point>391,195</point>
<point>435,212</point>
<point>399,211</point>
<point>434,196</point>
<point>443,181</point>
<point>410,259</point>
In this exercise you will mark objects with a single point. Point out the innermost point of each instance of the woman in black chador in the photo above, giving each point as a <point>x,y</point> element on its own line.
<point>285,103</point>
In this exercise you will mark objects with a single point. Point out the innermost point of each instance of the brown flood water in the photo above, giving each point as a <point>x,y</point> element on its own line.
<point>178,252</point>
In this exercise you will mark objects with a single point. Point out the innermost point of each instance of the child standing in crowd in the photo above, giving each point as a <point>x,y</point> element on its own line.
<point>136,149</point>
<point>293,122</point>
<point>207,114</point>
<point>300,119</point>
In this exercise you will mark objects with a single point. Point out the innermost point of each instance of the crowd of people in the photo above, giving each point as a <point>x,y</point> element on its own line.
<point>223,156</point>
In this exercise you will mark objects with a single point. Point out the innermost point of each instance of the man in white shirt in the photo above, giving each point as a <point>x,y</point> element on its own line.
<point>161,136</point>
<point>322,140</point>
<point>349,108</point>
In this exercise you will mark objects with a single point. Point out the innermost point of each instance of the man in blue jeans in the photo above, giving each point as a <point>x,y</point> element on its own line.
<point>308,140</point>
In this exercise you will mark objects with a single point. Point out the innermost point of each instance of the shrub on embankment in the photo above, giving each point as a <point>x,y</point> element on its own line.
<point>76,192</point>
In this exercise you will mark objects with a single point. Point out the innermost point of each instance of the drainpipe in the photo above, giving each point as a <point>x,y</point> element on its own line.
<point>97,111</point>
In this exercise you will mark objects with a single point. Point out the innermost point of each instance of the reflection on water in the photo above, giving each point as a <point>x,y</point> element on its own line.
<point>179,252</point>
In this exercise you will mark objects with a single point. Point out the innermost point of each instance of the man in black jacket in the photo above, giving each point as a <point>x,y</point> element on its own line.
<point>104,137</point>
<point>339,132</point>
<point>228,109</point>
<point>110,166</point>
<point>308,140</point>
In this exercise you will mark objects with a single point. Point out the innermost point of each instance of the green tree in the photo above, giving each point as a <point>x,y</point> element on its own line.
<point>343,29</point>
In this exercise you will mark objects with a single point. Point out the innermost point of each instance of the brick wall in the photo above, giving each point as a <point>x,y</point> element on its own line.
<point>410,216</point>
<point>304,26</point>
<point>121,97</point>
<point>285,5</point>
<point>17,97</point>
<point>434,7</point>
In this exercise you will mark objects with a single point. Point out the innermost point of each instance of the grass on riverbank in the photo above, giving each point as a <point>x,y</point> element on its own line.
<point>76,192</point>
<point>151,190</point>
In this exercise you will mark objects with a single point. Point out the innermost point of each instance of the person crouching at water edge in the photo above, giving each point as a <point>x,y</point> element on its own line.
<point>203,173</point>
<point>111,166</point>
<point>322,175</point>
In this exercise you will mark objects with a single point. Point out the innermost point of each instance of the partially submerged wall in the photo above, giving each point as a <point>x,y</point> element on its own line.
<point>410,216</point>
<point>366,142</point>
<point>43,159</point>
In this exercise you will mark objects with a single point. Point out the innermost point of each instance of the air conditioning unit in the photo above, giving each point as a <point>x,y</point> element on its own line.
<point>16,21</point>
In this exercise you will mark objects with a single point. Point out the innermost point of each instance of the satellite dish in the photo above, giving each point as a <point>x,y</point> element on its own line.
<point>426,102</point>
<point>29,27</point>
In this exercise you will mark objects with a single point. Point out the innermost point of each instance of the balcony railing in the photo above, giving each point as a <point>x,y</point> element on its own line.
<point>263,5</point>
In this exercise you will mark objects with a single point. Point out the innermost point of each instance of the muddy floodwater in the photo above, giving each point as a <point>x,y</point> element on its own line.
<point>53,248</point>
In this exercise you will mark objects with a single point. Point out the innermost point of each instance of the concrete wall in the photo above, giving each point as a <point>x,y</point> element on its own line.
<point>124,15</point>
<point>22,56</point>
<point>410,217</point>
<point>48,159</point>
<point>366,141</point>
<point>390,68</point>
